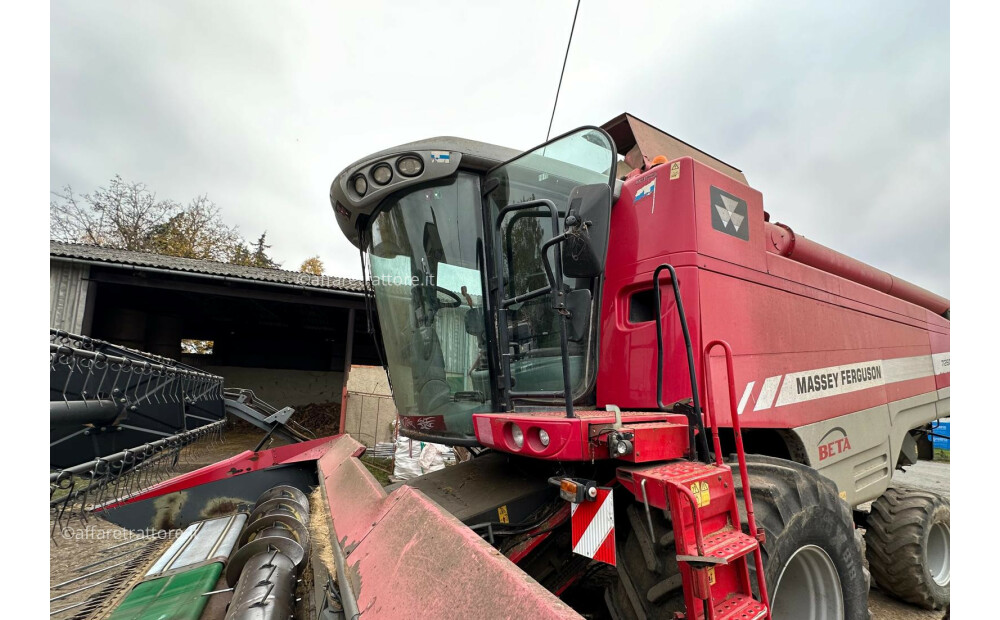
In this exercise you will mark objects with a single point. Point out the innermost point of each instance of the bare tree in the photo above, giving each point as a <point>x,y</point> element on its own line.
<point>128,216</point>
<point>121,215</point>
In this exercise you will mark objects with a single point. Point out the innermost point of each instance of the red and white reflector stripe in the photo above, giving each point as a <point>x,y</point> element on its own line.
<point>593,526</point>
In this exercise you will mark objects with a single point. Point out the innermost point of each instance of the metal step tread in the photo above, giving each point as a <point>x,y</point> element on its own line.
<point>726,544</point>
<point>683,472</point>
<point>740,607</point>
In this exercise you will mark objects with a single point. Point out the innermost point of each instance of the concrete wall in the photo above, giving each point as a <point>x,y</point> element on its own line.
<point>293,388</point>
<point>370,408</point>
<point>68,287</point>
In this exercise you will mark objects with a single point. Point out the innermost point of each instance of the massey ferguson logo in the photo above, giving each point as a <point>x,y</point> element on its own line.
<point>833,443</point>
<point>729,214</point>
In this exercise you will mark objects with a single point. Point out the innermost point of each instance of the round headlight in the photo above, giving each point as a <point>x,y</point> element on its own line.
<point>382,174</point>
<point>517,435</point>
<point>543,437</point>
<point>360,185</point>
<point>410,166</point>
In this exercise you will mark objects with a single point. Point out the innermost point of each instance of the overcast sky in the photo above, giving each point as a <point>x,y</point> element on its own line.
<point>837,112</point>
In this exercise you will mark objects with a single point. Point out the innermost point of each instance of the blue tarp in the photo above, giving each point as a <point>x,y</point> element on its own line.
<point>942,435</point>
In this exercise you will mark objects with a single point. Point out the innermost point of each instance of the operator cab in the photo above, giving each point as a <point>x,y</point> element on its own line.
<point>485,270</point>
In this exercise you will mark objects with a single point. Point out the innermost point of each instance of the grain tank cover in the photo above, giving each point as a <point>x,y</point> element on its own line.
<point>635,137</point>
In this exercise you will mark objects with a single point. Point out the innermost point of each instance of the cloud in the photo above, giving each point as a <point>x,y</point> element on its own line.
<point>837,113</point>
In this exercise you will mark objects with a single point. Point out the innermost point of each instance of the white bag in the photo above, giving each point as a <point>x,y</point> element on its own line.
<point>431,458</point>
<point>407,459</point>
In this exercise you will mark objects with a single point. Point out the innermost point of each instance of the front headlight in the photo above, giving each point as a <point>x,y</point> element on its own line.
<point>517,435</point>
<point>543,437</point>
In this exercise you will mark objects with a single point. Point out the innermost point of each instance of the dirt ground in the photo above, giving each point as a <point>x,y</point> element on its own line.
<point>66,554</point>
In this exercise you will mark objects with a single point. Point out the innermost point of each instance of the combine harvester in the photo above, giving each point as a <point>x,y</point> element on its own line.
<point>673,403</point>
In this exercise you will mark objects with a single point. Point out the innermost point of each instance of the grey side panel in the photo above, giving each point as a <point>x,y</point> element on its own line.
<point>68,287</point>
<point>858,451</point>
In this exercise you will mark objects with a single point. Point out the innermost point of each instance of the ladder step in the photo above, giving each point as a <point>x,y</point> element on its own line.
<point>740,607</point>
<point>725,545</point>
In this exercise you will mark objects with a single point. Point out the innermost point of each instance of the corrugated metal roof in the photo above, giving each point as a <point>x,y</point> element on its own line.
<point>97,254</point>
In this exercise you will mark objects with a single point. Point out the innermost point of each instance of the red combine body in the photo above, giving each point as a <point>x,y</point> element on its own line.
<point>846,358</point>
<point>627,298</point>
<point>674,406</point>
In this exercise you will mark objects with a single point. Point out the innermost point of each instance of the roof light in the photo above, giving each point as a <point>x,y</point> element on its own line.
<point>360,184</point>
<point>410,165</point>
<point>382,174</point>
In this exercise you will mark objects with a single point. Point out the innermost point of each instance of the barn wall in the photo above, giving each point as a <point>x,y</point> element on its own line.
<point>280,387</point>
<point>68,287</point>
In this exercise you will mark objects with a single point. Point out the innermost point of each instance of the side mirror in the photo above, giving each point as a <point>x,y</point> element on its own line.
<point>587,224</point>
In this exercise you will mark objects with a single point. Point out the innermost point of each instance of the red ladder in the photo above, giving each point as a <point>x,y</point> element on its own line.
<point>712,550</point>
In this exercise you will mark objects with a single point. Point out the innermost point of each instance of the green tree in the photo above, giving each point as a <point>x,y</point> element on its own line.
<point>255,255</point>
<point>196,232</point>
<point>312,265</point>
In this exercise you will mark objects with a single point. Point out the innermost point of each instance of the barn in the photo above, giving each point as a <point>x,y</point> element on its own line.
<point>290,337</point>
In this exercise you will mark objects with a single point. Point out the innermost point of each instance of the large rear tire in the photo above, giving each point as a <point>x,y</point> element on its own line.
<point>909,546</point>
<point>812,558</point>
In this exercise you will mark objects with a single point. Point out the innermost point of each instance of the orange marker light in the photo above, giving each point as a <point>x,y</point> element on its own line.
<point>659,159</point>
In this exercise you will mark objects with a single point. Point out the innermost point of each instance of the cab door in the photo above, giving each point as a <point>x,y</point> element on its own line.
<point>544,284</point>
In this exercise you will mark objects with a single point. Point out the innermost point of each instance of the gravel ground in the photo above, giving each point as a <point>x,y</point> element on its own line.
<point>932,476</point>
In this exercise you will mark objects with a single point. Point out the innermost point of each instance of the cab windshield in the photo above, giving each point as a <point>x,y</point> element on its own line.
<point>425,251</point>
<point>430,256</point>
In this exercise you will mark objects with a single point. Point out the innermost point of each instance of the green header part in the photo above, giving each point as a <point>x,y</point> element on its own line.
<point>178,596</point>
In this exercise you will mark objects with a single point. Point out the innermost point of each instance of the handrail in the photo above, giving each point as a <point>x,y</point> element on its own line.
<point>699,445</point>
<point>740,454</point>
<point>555,284</point>
<point>699,537</point>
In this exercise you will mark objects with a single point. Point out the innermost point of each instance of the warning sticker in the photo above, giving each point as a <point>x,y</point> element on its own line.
<point>701,495</point>
<point>502,513</point>
<point>711,576</point>
<point>675,170</point>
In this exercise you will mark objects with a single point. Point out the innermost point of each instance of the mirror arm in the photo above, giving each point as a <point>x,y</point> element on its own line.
<point>538,292</point>
<point>548,270</point>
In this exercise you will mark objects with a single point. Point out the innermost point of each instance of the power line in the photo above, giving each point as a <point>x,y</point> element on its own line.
<point>565,58</point>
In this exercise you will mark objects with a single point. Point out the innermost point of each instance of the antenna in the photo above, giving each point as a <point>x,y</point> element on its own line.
<point>566,57</point>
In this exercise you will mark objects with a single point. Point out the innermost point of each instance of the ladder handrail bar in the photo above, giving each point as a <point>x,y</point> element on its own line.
<point>740,454</point>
